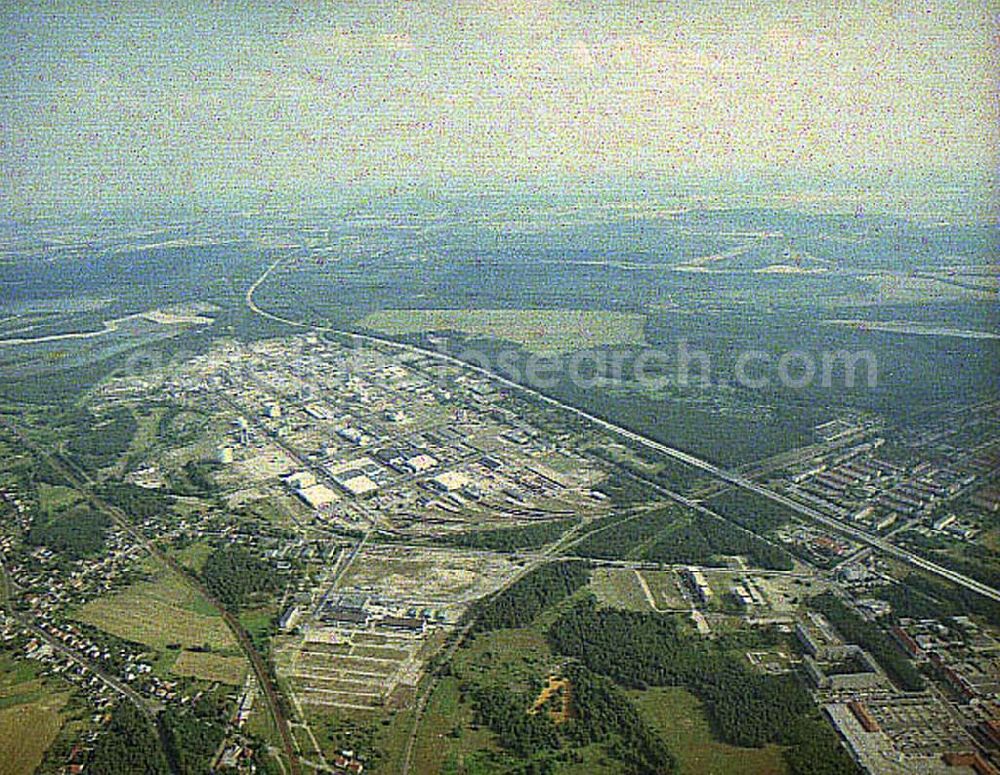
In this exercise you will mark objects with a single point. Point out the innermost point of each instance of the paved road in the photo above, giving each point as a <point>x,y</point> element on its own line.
<point>731,477</point>
<point>149,707</point>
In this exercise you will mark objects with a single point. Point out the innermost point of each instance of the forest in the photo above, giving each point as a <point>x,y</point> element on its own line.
<point>74,533</point>
<point>194,479</point>
<point>754,512</point>
<point>192,736</point>
<point>519,604</point>
<point>922,597</point>
<point>745,708</point>
<point>672,536</point>
<point>234,576</point>
<point>96,442</point>
<point>622,537</point>
<point>511,538</point>
<point>138,502</point>
<point>129,746</point>
<point>704,540</point>
<point>601,714</point>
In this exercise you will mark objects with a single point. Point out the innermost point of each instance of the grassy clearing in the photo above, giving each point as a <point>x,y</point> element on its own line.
<point>445,742</point>
<point>507,657</point>
<point>26,732</point>
<point>257,621</point>
<point>18,681</point>
<point>665,588</point>
<point>211,667</point>
<point>193,556</point>
<point>555,686</point>
<point>679,718</point>
<point>536,330</point>
<point>145,435</point>
<point>157,613</point>
<point>52,497</point>
<point>618,588</point>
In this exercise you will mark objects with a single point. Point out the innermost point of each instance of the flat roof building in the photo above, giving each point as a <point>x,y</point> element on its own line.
<point>418,464</point>
<point>359,485</point>
<point>450,481</point>
<point>317,496</point>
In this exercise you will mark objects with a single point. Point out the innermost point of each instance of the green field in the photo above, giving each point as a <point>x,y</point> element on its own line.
<point>26,732</point>
<point>679,718</point>
<point>536,330</point>
<point>193,557</point>
<point>446,743</point>
<point>30,716</point>
<point>619,588</point>
<point>211,667</point>
<point>52,497</point>
<point>157,613</point>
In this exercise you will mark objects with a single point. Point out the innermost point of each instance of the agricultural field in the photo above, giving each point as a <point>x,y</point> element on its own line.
<point>211,667</point>
<point>26,732</point>
<point>30,716</point>
<point>543,332</point>
<point>680,720</point>
<point>159,612</point>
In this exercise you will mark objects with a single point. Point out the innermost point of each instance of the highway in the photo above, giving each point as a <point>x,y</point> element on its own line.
<point>730,477</point>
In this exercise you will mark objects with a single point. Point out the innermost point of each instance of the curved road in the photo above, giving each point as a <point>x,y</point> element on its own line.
<point>730,477</point>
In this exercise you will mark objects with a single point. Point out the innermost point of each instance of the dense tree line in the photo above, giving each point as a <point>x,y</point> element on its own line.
<point>519,604</point>
<point>76,532</point>
<point>96,442</point>
<point>663,536</point>
<point>60,386</point>
<point>922,597</point>
<point>813,748</point>
<point>704,541</point>
<point>750,510</point>
<point>639,650</point>
<point>233,575</point>
<point>624,490</point>
<point>745,708</point>
<point>129,746</point>
<point>600,714</point>
<point>855,629</point>
<point>138,502</point>
<point>194,479</point>
<point>511,538</point>
<point>976,561</point>
<point>603,714</point>
<point>179,425</point>
<point>619,540</point>
<point>191,739</point>
<point>520,732</point>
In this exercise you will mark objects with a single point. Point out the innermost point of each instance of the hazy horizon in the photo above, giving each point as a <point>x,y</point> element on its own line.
<point>168,104</point>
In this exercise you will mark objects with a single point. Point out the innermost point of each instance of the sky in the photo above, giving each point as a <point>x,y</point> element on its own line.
<point>170,101</point>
